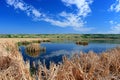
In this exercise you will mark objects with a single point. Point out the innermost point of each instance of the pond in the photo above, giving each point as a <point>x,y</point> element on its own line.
<point>55,50</point>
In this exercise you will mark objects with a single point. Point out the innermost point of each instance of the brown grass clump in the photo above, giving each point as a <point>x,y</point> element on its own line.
<point>81,43</point>
<point>12,66</point>
<point>47,40</point>
<point>4,62</point>
<point>33,47</point>
<point>36,41</point>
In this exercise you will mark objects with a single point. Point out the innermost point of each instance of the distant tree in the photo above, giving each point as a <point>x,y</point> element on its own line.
<point>9,36</point>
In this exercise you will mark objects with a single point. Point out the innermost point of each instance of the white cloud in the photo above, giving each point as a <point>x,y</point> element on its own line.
<point>73,20</point>
<point>111,22</point>
<point>115,29</point>
<point>19,4</point>
<point>82,6</point>
<point>65,19</point>
<point>10,2</point>
<point>116,6</point>
<point>68,20</point>
<point>36,13</point>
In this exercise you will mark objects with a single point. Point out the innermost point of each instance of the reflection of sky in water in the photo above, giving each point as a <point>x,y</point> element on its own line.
<point>55,51</point>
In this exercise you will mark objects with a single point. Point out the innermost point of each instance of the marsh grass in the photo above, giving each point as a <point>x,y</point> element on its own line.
<point>36,41</point>
<point>81,43</point>
<point>46,40</point>
<point>83,66</point>
<point>34,49</point>
<point>11,63</point>
<point>91,66</point>
<point>25,43</point>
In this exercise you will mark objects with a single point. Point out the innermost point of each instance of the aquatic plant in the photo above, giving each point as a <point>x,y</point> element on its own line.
<point>46,40</point>
<point>34,49</point>
<point>81,43</point>
<point>36,41</point>
<point>23,43</point>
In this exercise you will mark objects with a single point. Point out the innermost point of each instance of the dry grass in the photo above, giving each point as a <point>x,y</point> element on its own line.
<point>81,43</point>
<point>91,66</point>
<point>12,66</point>
<point>33,47</point>
<point>15,40</point>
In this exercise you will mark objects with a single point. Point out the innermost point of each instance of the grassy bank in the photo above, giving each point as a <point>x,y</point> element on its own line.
<point>63,36</point>
<point>91,66</point>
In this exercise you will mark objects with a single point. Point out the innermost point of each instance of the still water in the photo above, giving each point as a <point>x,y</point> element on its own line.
<point>55,50</point>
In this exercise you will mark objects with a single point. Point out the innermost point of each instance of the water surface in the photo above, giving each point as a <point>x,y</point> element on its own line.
<point>55,50</point>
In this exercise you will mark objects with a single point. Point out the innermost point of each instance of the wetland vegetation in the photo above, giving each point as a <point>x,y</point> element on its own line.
<point>63,36</point>
<point>60,56</point>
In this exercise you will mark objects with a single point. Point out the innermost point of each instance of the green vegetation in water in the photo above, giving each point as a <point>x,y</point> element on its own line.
<point>36,41</point>
<point>32,71</point>
<point>23,43</point>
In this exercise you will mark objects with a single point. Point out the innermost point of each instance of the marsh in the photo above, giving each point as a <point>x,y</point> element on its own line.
<point>57,49</point>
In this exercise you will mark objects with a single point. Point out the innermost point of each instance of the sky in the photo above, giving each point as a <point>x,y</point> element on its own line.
<point>59,16</point>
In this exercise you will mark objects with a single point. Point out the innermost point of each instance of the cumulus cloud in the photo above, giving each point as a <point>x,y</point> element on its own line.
<point>65,19</point>
<point>115,6</point>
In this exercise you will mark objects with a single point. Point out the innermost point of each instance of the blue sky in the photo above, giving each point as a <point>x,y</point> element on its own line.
<point>59,16</point>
